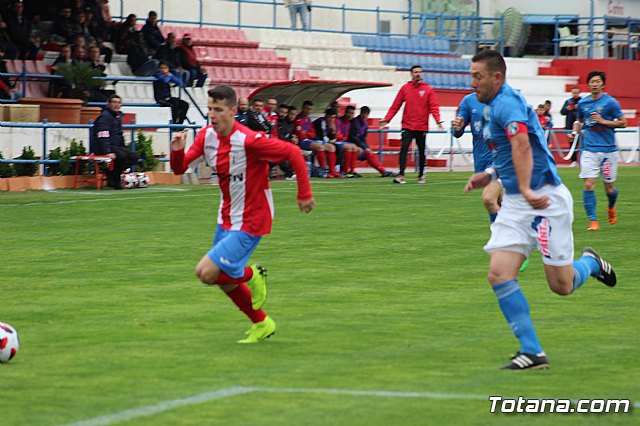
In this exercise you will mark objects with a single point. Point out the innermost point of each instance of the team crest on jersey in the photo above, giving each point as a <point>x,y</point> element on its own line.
<point>512,128</point>
<point>486,113</point>
<point>422,92</point>
<point>477,125</point>
<point>543,228</point>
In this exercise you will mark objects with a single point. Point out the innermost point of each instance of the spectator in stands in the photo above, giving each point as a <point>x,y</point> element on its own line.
<point>544,119</point>
<point>168,52</point>
<point>325,132</point>
<point>153,37</point>
<point>547,109</point>
<point>58,86</point>
<point>291,116</point>
<point>272,111</point>
<point>299,7</point>
<point>108,25</point>
<point>99,94</point>
<point>162,93</point>
<point>190,63</point>
<point>242,115</point>
<point>10,50</point>
<point>97,34</point>
<point>358,136</point>
<point>304,130</point>
<point>257,119</point>
<point>124,33</point>
<point>284,128</point>
<point>79,54</point>
<point>19,29</point>
<point>569,109</point>
<point>420,101</point>
<point>137,58</point>
<point>79,27</point>
<point>63,25</point>
<point>5,83</point>
<point>350,152</point>
<point>107,139</point>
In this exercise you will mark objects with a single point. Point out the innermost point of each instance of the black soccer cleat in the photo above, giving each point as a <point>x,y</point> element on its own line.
<point>607,275</point>
<point>524,361</point>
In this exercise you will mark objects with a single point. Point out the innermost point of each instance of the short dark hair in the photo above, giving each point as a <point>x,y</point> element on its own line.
<point>256,100</point>
<point>305,103</point>
<point>600,74</point>
<point>287,107</point>
<point>547,102</point>
<point>415,66</point>
<point>292,107</point>
<point>365,110</point>
<point>540,106</point>
<point>225,93</point>
<point>112,97</point>
<point>330,111</point>
<point>350,107</point>
<point>494,61</point>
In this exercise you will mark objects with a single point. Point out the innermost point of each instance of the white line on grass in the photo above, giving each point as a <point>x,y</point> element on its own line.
<point>150,410</point>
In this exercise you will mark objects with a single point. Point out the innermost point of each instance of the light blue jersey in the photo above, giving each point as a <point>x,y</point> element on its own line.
<point>502,114</point>
<point>471,111</point>
<point>598,137</point>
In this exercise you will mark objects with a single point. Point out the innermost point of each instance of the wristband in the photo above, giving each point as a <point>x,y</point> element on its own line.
<point>493,172</point>
<point>574,133</point>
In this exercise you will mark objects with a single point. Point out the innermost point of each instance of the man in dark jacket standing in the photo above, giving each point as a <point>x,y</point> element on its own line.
<point>107,139</point>
<point>420,101</point>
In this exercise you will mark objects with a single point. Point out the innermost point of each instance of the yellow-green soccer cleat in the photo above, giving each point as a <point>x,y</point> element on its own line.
<point>258,286</point>
<point>524,265</point>
<point>260,331</point>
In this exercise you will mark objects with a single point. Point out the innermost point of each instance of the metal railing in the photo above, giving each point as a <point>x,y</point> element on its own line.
<point>454,146</point>
<point>600,37</point>
<point>339,16</point>
<point>132,127</point>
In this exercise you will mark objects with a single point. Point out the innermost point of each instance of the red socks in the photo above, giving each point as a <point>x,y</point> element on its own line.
<point>241,296</point>
<point>322,160</point>
<point>373,161</point>
<point>224,279</point>
<point>331,156</point>
<point>354,161</point>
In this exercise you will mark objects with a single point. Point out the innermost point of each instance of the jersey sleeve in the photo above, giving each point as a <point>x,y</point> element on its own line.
<point>614,109</point>
<point>465,112</point>
<point>180,161</point>
<point>275,150</point>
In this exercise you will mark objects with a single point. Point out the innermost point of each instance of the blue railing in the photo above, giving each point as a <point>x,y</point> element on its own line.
<point>270,10</point>
<point>132,127</point>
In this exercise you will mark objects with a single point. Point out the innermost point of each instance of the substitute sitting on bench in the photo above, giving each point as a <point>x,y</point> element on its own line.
<point>108,140</point>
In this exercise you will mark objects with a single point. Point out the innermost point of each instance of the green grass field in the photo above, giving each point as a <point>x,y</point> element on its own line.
<point>384,313</point>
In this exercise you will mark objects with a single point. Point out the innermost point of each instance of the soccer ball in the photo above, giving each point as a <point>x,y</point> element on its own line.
<point>143,180</point>
<point>129,180</point>
<point>9,342</point>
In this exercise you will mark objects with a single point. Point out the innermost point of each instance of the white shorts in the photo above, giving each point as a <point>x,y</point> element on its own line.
<point>594,163</point>
<point>520,228</point>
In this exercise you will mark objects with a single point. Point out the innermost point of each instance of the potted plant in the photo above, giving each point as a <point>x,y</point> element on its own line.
<point>24,179</point>
<point>6,171</point>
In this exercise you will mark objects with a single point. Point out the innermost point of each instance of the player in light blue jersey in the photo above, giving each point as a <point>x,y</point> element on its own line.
<point>598,114</point>
<point>470,112</point>
<point>537,209</point>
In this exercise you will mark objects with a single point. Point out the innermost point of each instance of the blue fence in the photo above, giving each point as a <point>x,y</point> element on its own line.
<point>132,127</point>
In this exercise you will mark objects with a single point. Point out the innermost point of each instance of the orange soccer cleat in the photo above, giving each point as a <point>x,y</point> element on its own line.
<point>593,226</point>
<point>612,215</point>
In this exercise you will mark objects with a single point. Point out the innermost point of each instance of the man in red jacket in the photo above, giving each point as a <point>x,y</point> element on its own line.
<point>240,157</point>
<point>190,63</point>
<point>420,100</point>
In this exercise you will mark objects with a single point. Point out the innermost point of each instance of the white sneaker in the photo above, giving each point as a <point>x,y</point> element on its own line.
<point>573,164</point>
<point>292,177</point>
<point>421,180</point>
<point>399,179</point>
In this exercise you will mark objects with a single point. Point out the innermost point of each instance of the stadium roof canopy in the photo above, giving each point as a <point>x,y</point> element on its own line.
<point>321,92</point>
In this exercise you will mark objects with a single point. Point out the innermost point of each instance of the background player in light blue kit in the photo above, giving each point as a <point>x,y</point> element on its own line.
<point>470,112</point>
<point>599,114</point>
<point>537,209</point>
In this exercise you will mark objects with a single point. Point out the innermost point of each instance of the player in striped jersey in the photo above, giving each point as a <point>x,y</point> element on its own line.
<point>240,157</point>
